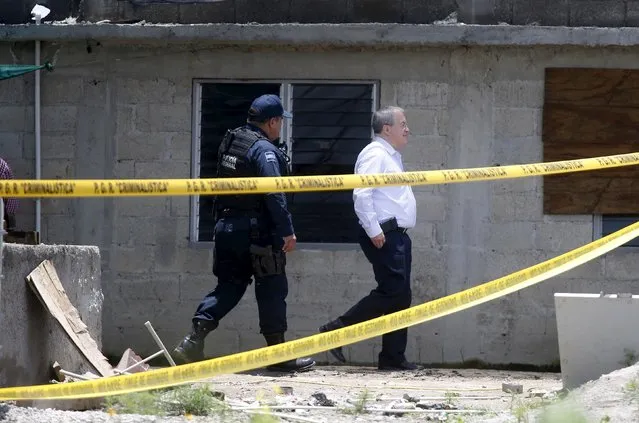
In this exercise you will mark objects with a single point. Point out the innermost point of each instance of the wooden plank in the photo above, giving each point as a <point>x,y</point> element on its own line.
<point>44,281</point>
<point>589,113</point>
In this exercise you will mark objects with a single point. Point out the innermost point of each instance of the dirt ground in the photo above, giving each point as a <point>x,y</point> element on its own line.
<point>330,394</point>
<point>464,395</point>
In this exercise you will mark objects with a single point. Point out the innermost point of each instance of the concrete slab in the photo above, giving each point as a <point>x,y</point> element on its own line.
<point>31,339</point>
<point>596,334</point>
<point>347,35</point>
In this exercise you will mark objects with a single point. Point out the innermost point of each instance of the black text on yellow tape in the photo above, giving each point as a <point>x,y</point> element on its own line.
<point>174,187</point>
<point>317,343</point>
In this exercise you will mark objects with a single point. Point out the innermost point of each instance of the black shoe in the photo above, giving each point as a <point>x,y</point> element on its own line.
<point>191,349</point>
<point>338,353</point>
<point>298,365</point>
<point>301,364</point>
<point>404,365</point>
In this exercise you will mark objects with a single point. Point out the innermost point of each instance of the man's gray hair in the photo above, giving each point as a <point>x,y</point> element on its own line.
<point>385,116</point>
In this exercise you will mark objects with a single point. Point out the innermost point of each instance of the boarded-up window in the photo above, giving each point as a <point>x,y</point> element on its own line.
<point>589,113</point>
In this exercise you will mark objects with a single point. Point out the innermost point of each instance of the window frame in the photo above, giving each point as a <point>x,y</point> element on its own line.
<point>286,93</point>
<point>598,225</point>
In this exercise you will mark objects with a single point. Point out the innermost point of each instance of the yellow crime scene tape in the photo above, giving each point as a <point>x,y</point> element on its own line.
<point>314,344</point>
<point>216,186</point>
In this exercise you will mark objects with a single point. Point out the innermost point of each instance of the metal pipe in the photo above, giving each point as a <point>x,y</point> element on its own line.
<point>158,341</point>
<point>38,164</point>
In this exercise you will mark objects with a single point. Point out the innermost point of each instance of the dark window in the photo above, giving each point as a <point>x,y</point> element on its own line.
<point>224,106</point>
<point>612,223</point>
<point>330,126</point>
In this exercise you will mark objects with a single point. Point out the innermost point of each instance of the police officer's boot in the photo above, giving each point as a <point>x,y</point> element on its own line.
<point>297,365</point>
<point>191,348</point>
<point>334,325</point>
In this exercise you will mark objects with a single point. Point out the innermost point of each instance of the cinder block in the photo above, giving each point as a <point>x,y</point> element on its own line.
<point>13,119</point>
<point>422,122</point>
<point>142,206</point>
<point>421,94</point>
<point>162,169</point>
<point>562,237</point>
<point>511,236</point>
<point>58,229</point>
<point>144,91</point>
<point>194,286</point>
<point>163,117</point>
<point>138,259</point>
<point>157,287</point>
<point>519,94</point>
<point>143,147</point>
<point>124,120</point>
<point>58,169</point>
<point>621,264</point>
<point>13,91</point>
<point>56,146</point>
<point>58,90</point>
<point>132,231</point>
<point>183,91</point>
<point>510,123</point>
<point>59,118</point>
<point>11,146</point>
<point>542,12</point>
<point>168,257</point>
<point>58,206</point>
<point>610,13</point>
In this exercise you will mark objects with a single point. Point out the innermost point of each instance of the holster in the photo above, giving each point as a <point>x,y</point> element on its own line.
<point>266,261</point>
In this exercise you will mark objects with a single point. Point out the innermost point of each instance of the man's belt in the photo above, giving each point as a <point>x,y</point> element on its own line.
<point>391,225</point>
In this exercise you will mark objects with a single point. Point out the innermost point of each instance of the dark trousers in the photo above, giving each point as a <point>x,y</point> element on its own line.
<point>233,268</point>
<point>391,266</point>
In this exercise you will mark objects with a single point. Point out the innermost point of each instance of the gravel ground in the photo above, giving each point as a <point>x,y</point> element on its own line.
<point>426,395</point>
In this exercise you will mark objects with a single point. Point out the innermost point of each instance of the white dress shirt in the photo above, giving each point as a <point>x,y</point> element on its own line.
<point>378,204</point>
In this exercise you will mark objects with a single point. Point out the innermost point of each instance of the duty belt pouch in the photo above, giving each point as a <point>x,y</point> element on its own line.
<point>266,261</point>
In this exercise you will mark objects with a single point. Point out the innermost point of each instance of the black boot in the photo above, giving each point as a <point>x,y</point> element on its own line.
<point>296,365</point>
<point>191,348</point>
<point>335,324</point>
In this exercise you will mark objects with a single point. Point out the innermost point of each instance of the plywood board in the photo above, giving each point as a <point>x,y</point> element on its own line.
<point>44,281</point>
<point>590,113</point>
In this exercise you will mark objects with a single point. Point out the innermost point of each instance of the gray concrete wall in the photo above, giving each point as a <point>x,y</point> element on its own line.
<point>31,339</point>
<point>125,112</point>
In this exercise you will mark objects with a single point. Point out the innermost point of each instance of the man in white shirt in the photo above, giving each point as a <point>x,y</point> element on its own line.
<point>385,214</point>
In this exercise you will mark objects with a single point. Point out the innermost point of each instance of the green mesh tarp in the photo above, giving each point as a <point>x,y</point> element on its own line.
<point>11,71</point>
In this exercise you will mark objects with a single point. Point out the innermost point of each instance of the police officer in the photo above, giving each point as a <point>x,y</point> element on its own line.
<point>253,233</point>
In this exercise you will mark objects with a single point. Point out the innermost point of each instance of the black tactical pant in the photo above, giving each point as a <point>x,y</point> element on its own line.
<point>238,257</point>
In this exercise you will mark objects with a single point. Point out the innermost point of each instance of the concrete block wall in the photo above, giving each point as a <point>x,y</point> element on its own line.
<point>131,114</point>
<point>31,338</point>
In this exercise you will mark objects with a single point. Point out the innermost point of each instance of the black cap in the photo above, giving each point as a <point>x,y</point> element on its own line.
<point>267,106</point>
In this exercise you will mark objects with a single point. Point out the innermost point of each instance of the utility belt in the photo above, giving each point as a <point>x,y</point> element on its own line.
<point>265,260</point>
<point>391,225</point>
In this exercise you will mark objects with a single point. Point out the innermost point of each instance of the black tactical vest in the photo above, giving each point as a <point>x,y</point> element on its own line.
<point>232,162</point>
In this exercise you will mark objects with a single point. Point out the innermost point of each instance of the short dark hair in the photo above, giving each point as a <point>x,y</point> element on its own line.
<point>384,116</point>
